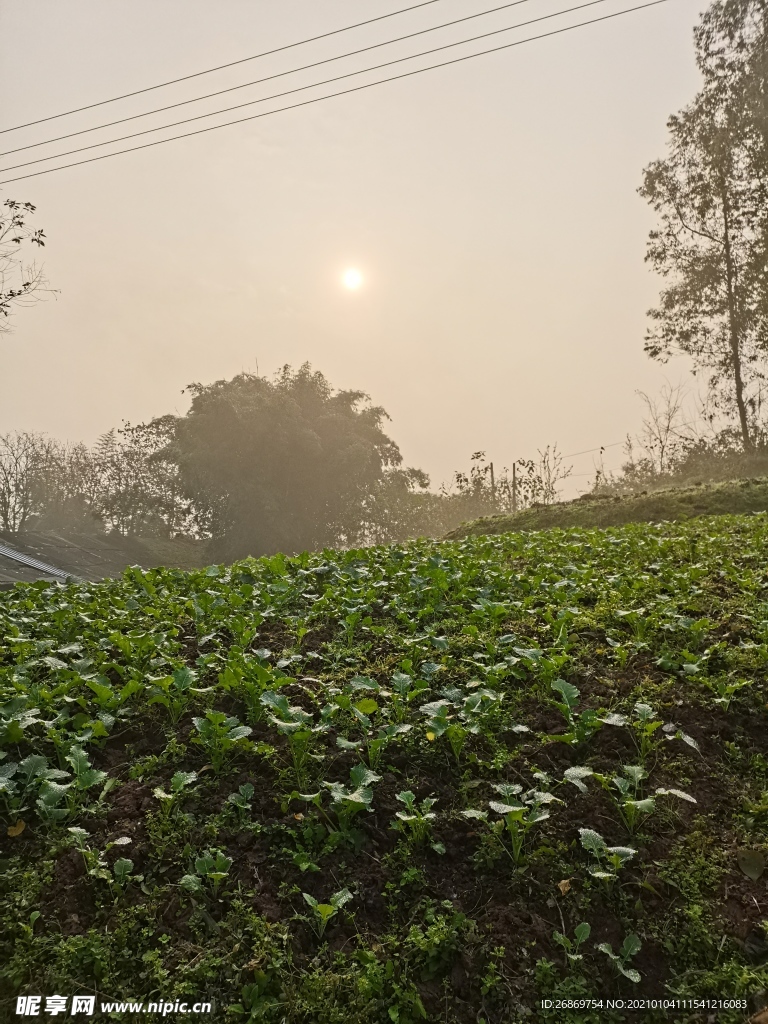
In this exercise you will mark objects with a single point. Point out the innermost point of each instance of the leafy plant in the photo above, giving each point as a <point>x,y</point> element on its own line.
<point>626,792</point>
<point>518,819</point>
<point>348,801</point>
<point>212,867</point>
<point>296,725</point>
<point>609,859</point>
<point>219,734</point>
<point>644,725</point>
<point>571,946</point>
<point>416,820</point>
<point>323,913</point>
<point>174,692</point>
<point>581,725</point>
<point>629,948</point>
<point>456,715</point>
<point>241,800</point>
<point>179,782</point>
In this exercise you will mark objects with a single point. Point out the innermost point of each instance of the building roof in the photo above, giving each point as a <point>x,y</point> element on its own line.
<point>88,556</point>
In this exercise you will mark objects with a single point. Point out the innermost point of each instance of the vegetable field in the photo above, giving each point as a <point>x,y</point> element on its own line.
<point>438,782</point>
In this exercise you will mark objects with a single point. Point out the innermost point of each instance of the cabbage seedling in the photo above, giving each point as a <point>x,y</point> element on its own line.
<point>517,819</point>
<point>581,725</point>
<point>625,791</point>
<point>219,734</point>
<point>296,725</point>
<point>630,947</point>
<point>213,866</point>
<point>241,800</point>
<point>324,912</point>
<point>610,859</point>
<point>347,801</point>
<point>571,946</point>
<point>416,820</point>
<point>179,782</point>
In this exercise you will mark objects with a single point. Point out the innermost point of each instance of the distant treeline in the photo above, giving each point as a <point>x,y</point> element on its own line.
<point>256,466</point>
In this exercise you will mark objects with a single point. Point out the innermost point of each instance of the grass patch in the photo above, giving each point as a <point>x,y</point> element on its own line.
<point>672,504</point>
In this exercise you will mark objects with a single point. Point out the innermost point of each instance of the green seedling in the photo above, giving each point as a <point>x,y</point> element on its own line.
<point>405,690</point>
<point>644,727</point>
<point>19,783</point>
<point>581,725</point>
<point>122,870</point>
<point>416,820</point>
<point>571,946</point>
<point>727,691</point>
<point>375,738</point>
<point>96,863</point>
<point>85,776</point>
<point>323,913</point>
<point>15,718</point>
<point>630,947</point>
<point>213,868</point>
<point>626,792</point>
<point>609,859</point>
<point>220,734</point>
<point>174,692</point>
<point>296,725</point>
<point>518,819</point>
<point>179,782</point>
<point>348,801</point>
<point>241,800</point>
<point>457,715</point>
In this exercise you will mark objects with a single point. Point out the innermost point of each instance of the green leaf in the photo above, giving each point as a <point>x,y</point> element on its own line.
<point>751,862</point>
<point>631,946</point>
<point>568,691</point>
<point>582,931</point>
<point>577,774</point>
<point>592,841</point>
<point>367,706</point>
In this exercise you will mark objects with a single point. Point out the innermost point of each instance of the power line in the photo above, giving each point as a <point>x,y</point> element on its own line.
<point>588,451</point>
<point>304,88</point>
<point>342,92</point>
<point>221,67</point>
<point>281,74</point>
<point>604,447</point>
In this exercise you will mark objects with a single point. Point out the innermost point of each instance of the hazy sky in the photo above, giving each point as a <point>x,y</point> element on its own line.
<point>491,208</point>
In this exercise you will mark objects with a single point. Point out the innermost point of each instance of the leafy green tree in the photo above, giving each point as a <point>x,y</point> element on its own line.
<point>282,465</point>
<point>711,195</point>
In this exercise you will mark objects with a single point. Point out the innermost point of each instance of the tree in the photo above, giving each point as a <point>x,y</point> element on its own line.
<point>25,460</point>
<point>281,465</point>
<point>711,195</point>
<point>20,280</point>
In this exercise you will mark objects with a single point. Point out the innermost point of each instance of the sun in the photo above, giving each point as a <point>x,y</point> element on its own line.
<point>352,278</point>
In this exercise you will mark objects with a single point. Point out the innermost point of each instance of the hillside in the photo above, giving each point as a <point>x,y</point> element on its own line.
<point>440,782</point>
<point>670,505</point>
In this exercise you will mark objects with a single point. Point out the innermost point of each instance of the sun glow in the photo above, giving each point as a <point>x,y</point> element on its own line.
<point>352,279</point>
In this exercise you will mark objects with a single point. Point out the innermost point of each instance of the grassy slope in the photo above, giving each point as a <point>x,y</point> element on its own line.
<point>443,927</point>
<point>731,497</point>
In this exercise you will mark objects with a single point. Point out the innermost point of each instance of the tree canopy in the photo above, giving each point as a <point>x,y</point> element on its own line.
<point>282,465</point>
<point>711,195</point>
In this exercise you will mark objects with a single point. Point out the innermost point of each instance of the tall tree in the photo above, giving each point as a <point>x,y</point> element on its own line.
<point>710,193</point>
<point>282,465</point>
<point>20,278</point>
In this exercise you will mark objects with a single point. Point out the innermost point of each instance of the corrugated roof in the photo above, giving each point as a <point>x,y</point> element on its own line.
<point>90,556</point>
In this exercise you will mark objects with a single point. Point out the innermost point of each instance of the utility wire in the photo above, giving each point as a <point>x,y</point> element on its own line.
<point>221,67</point>
<point>281,74</point>
<point>600,448</point>
<point>342,92</point>
<point>304,88</point>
